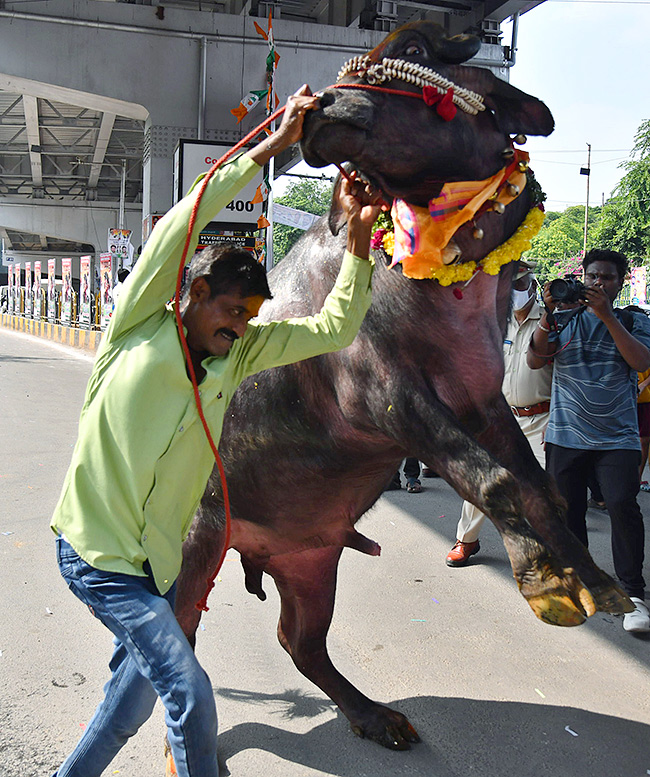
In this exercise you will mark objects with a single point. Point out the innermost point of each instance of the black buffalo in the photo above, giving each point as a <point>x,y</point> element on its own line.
<point>309,448</point>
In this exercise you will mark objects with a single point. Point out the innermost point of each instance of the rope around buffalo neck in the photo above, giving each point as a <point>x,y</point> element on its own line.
<point>412,73</point>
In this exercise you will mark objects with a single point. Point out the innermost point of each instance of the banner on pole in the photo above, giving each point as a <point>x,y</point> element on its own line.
<point>51,290</point>
<point>292,217</point>
<point>66,292</point>
<point>17,310</point>
<point>28,289</point>
<point>106,283</point>
<point>10,283</point>
<point>37,291</point>
<point>84,291</point>
<point>638,286</point>
<point>119,246</point>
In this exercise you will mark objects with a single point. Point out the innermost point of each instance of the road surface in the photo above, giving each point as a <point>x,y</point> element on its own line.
<point>491,690</point>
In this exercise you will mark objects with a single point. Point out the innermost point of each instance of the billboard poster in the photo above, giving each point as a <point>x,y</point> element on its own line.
<point>66,292</point>
<point>638,286</point>
<point>10,284</point>
<point>120,248</point>
<point>84,291</point>
<point>194,157</point>
<point>37,291</point>
<point>106,281</point>
<point>51,290</point>
<point>28,289</point>
<point>17,289</point>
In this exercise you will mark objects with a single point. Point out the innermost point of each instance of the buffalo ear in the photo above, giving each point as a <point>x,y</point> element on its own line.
<point>337,218</point>
<point>516,111</point>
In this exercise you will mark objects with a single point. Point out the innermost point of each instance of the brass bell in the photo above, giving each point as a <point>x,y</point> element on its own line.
<point>508,153</point>
<point>513,189</point>
<point>522,166</point>
<point>478,233</point>
<point>498,207</point>
<point>520,139</point>
<point>451,253</point>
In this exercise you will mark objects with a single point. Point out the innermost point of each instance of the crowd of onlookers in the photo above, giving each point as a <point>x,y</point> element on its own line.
<point>577,378</point>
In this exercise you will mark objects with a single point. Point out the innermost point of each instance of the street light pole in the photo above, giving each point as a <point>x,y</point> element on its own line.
<point>588,174</point>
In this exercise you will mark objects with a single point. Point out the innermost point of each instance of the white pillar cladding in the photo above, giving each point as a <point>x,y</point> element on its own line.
<point>120,58</point>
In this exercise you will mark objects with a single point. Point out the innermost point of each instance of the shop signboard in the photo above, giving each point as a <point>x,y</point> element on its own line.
<point>28,289</point>
<point>66,292</point>
<point>51,290</point>
<point>213,235</point>
<point>37,291</point>
<point>84,291</point>
<point>106,282</point>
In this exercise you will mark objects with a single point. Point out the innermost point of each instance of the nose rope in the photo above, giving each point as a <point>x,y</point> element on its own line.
<point>202,604</point>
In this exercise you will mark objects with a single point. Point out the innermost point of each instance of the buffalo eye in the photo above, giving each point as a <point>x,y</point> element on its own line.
<point>414,50</point>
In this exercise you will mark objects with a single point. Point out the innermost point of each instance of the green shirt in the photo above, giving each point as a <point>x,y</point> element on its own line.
<point>142,460</point>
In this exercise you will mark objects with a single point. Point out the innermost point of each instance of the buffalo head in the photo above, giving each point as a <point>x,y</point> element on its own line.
<point>366,127</point>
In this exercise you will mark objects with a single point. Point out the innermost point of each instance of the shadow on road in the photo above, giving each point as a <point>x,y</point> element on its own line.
<point>26,359</point>
<point>439,497</point>
<point>459,736</point>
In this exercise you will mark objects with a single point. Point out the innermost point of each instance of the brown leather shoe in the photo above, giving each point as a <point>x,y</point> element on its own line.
<point>459,555</point>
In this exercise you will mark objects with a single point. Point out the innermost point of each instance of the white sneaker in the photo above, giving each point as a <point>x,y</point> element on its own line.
<point>639,619</point>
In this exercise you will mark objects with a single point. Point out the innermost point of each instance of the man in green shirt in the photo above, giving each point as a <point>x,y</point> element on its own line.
<point>142,459</point>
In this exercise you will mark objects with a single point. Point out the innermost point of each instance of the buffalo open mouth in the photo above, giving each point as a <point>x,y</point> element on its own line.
<point>338,134</point>
<point>331,142</point>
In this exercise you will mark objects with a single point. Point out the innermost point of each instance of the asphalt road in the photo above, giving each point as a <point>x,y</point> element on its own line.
<point>491,690</point>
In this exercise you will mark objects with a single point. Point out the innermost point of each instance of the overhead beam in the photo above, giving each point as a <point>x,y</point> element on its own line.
<point>103,138</point>
<point>30,105</point>
<point>5,237</point>
<point>62,94</point>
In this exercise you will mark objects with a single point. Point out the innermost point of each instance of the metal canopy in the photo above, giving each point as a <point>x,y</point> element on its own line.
<point>52,150</point>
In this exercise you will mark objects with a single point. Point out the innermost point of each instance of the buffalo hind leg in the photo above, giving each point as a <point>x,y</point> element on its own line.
<point>201,553</point>
<point>306,582</point>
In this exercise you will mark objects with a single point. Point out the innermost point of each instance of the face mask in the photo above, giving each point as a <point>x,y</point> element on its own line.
<point>521,298</point>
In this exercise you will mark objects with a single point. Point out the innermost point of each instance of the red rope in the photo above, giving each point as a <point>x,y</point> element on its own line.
<point>383,89</point>
<point>202,605</point>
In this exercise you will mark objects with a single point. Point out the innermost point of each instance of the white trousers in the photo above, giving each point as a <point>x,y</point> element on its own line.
<point>471,518</point>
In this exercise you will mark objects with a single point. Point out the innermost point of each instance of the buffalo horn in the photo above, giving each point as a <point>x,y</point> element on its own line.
<point>457,49</point>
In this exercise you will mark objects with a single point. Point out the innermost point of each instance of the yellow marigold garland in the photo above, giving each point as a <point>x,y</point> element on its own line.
<point>507,252</point>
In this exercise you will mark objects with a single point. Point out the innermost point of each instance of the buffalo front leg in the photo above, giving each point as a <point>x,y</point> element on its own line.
<point>545,508</point>
<point>555,592</point>
<point>307,583</point>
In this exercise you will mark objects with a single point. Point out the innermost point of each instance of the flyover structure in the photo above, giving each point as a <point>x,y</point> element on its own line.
<point>95,95</point>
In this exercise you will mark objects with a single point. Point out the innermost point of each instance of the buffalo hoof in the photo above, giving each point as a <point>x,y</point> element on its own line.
<point>610,598</point>
<point>560,601</point>
<point>388,728</point>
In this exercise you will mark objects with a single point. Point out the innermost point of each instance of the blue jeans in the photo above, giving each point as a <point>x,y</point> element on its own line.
<point>152,657</point>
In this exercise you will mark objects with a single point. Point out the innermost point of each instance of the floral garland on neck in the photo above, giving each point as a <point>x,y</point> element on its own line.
<point>383,237</point>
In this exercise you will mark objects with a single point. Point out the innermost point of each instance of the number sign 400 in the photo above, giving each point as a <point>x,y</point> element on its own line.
<point>240,205</point>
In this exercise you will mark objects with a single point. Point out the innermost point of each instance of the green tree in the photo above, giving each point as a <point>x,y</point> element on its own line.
<point>625,225</point>
<point>558,246</point>
<point>311,195</point>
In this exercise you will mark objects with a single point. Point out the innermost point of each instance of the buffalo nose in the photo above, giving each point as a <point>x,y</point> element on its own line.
<point>326,98</point>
